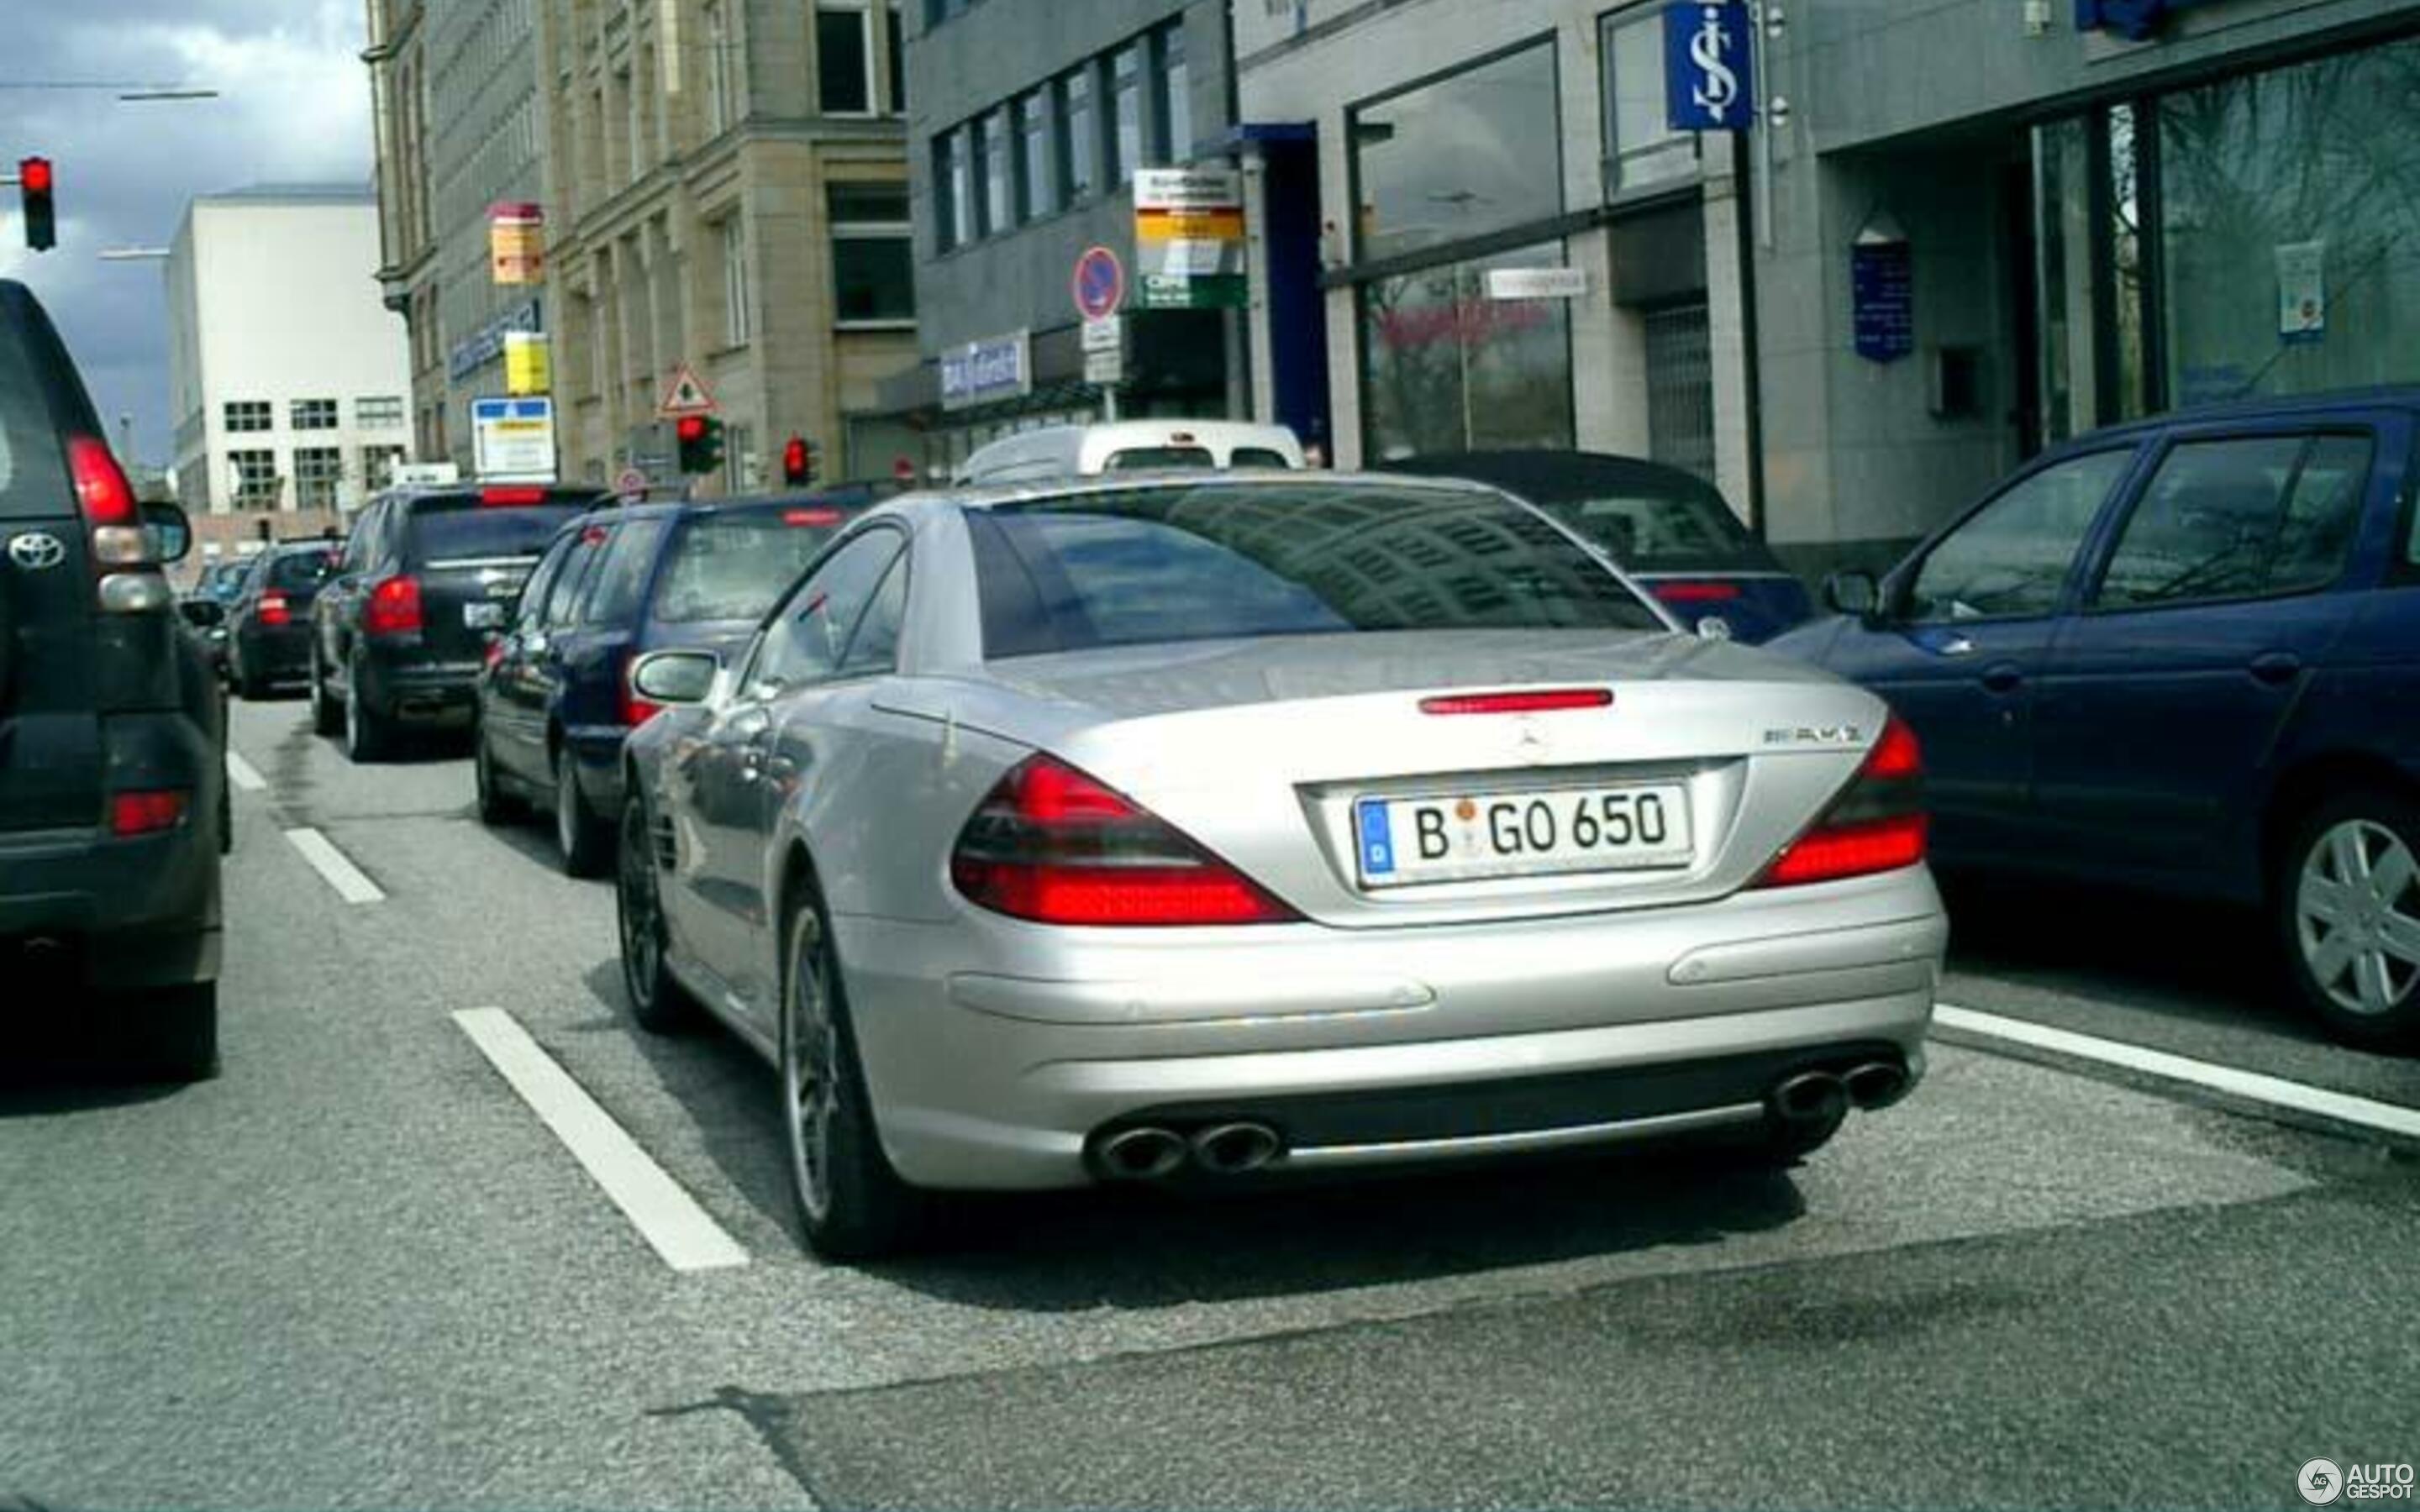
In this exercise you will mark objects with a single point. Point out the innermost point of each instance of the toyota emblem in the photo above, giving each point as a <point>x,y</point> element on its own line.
<point>36,550</point>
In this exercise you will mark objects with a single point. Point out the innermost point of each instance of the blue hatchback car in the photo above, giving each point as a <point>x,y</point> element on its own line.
<point>2183,655</point>
<point>555,699</point>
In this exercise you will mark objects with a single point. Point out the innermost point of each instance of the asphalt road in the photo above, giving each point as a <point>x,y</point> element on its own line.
<point>357,1269</point>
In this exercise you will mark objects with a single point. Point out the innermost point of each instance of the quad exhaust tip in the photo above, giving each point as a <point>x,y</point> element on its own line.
<point>1152,1153</point>
<point>1877,1084</point>
<point>1811,1097</point>
<point>1234,1149</point>
<point>1145,1154</point>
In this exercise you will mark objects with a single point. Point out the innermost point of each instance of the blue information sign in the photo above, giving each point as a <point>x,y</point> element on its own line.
<point>2136,20</point>
<point>1709,72</point>
<point>1882,284</point>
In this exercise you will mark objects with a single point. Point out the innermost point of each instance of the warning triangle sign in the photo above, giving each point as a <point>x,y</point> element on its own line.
<point>686,396</point>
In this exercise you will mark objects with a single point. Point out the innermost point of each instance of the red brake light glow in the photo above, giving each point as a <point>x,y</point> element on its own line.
<point>1897,754</point>
<point>1878,825</point>
<point>1532,701</point>
<point>635,711</point>
<point>274,610</point>
<point>102,493</point>
<point>144,813</point>
<point>811,516</point>
<point>394,608</point>
<point>1695,592</point>
<point>503,496</point>
<point>1054,846</point>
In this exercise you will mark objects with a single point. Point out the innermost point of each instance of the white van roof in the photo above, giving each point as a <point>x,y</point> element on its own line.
<point>1084,451</point>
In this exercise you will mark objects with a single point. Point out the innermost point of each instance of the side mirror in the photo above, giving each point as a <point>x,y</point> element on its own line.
<point>172,532</point>
<point>675,677</point>
<point>1854,591</point>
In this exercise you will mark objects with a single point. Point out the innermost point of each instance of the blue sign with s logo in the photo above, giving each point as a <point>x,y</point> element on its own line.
<point>2135,20</point>
<point>1709,69</point>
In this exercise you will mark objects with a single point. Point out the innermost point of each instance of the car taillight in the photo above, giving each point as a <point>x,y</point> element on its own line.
<point>505,497</point>
<point>1051,846</point>
<point>1695,592</point>
<point>102,494</point>
<point>144,813</point>
<point>394,608</point>
<point>1521,701</point>
<point>275,611</point>
<point>1878,825</point>
<point>636,711</point>
<point>115,539</point>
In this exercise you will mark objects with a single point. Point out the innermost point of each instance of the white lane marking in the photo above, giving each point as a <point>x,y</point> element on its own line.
<point>335,867</point>
<point>244,774</point>
<point>2342,1107</point>
<point>666,1216</point>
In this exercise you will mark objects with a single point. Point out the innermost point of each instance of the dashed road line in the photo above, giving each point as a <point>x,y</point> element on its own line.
<point>244,774</point>
<point>665,1215</point>
<point>2247,1086</point>
<point>335,867</point>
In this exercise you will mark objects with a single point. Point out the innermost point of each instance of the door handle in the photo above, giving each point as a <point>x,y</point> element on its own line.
<point>2277,668</point>
<point>2004,678</point>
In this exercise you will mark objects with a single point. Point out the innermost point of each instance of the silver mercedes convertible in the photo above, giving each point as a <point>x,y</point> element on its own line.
<point>1194,829</point>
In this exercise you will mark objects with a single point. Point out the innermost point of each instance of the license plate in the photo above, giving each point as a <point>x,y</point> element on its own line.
<point>1460,836</point>
<point>484,616</point>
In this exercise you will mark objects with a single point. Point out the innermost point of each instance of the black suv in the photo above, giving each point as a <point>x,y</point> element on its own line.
<point>401,631</point>
<point>113,731</point>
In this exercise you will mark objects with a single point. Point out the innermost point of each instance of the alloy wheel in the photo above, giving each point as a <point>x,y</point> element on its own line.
<point>809,1061</point>
<point>2357,917</point>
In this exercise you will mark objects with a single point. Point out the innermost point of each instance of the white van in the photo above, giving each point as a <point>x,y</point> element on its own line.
<point>1131,446</point>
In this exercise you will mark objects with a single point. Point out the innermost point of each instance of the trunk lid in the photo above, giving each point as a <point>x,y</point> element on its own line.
<point>472,560</point>
<point>1261,750</point>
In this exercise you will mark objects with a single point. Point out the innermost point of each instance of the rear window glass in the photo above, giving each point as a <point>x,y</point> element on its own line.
<point>1175,563</point>
<point>33,467</point>
<point>623,579</point>
<point>1648,528</point>
<point>734,566</point>
<point>446,531</point>
<point>1143,458</point>
<point>1257,456</point>
<point>301,569</point>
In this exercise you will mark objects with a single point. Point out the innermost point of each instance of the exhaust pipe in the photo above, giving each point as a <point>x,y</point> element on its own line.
<point>1145,1154</point>
<point>1877,1084</point>
<point>1234,1149</point>
<point>1811,1099</point>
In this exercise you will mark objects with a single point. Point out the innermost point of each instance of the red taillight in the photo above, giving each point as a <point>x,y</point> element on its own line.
<point>1053,846</point>
<point>394,608</point>
<point>102,493</point>
<point>1878,825</point>
<point>635,710</point>
<point>144,813</point>
<point>811,516</point>
<point>501,497</point>
<point>274,610</point>
<point>1532,701</point>
<point>1695,592</point>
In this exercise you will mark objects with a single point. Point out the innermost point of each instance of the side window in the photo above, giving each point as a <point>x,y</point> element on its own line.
<point>622,580</point>
<point>808,633</point>
<point>874,647</point>
<point>564,597</point>
<point>2011,560</point>
<point>357,545</point>
<point>541,583</point>
<point>2242,518</point>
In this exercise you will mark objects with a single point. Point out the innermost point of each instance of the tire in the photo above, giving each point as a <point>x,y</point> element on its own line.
<point>658,1000</point>
<point>585,842</point>
<point>2344,902</point>
<point>247,687</point>
<point>327,717</point>
<point>851,1205</point>
<point>496,805</point>
<point>172,1033</point>
<point>367,736</point>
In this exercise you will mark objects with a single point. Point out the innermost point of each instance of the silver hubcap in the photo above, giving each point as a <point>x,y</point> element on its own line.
<point>808,1045</point>
<point>2358,919</point>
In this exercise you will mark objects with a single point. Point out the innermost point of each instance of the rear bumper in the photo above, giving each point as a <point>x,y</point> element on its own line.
<point>1374,1047</point>
<point>417,690</point>
<point>278,655</point>
<point>116,913</point>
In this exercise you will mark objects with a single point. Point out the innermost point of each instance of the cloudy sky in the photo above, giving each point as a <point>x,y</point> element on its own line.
<point>294,106</point>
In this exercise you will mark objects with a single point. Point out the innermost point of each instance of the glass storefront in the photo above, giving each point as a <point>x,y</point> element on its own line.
<point>1448,368</point>
<point>1476,152</point>
<point>2256,235</point>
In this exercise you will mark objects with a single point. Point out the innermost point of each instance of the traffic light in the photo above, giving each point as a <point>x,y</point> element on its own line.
<point>42,221</point>
<point>701,443</point>
<point>798,462</point>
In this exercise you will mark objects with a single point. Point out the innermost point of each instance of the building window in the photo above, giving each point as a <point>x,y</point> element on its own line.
<point>873,261</point>
<point>1036,192</point>
<point>954,204</point>
<point>255,476</point>
<point>1079,146</point>
<point>1477,152</point>
<point>999,168</point>
<point>1640,147</point>
<point>717,69</point>
<point>381,412</point>
<point>315,414</point>
<point>317,471</point>
<point>1176,88</point>
<point>1126,90</point>
<point>249,414</point>
<point>1450,369</point>
<point>736,325</point>
<point>844,58</point>
<point>895,60</point>
<point>378,466</point>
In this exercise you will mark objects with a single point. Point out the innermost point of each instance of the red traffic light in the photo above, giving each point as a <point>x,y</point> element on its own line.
<point>689,427</point>
<point>33,173</point>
